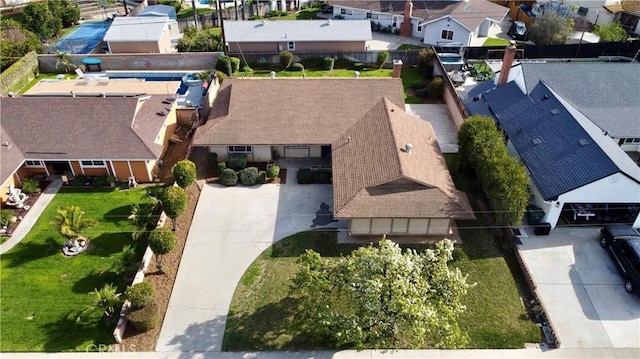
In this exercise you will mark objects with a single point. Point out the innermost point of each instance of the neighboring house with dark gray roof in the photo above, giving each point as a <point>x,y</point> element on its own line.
<point>605,92</point>
<point>91,136</point>
<point>576,170</point>
<point>360,124</point>
<point>309,35</point>
<point>434,22</point>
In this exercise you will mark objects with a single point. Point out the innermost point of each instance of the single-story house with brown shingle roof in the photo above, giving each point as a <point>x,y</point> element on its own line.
<point>379,186</point>
<point>434,22</point>
<point>92,136</point>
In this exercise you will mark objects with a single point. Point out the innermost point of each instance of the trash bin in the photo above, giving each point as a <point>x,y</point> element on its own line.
<point>542,229</point>
<point>534,215</point>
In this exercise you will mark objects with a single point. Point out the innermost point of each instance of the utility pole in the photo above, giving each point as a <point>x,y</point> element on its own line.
<point>219,22</point>
<point>126,9</point>
<point>195,14</point>
<point>224,39</point>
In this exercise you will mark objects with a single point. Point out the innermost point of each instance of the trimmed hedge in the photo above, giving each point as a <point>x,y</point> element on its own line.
<point>435,86</point>
<point>297,67</point>
<point>249,176</point>
<point>327,63</point>
<point>235,64</point>
<point>273,171</point>
<point>19,74</point>
<point>140,295</point>
<point>237,162</point>
<point>286,58</point>
<point>228,177</point>
<point>224,65</point>
<point>212,160</point>
<point>221,166</point>
<point>184,172</point>
<point>146,318</point>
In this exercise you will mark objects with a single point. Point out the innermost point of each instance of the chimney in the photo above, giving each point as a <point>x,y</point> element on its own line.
<point>397,69</point>
<point>507,61</point>
<point>405,28</point>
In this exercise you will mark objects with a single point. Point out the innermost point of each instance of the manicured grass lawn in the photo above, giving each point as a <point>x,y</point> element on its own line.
<point>411,47</point>
<point>494,41</point>
<point>43,291</point>
<point>188,12</point>
<point>305,14</point>
<point>261,310</point>
<point>409,77</point>
<point>316,73</point>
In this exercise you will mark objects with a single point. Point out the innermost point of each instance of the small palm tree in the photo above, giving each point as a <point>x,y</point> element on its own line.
<point>107,300</point>
<point>70,221</point>
<point>64,60</point>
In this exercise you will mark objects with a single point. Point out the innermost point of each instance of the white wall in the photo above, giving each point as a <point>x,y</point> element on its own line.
<point>432,32</point>
<point>384,19</point>
<point>399,226</point>
<point>262,153</point>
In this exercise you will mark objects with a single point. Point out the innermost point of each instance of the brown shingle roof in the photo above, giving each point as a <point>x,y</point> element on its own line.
<point>81,128</point>
<point>373,176</point>
<point>10,156</point>
<point>292,111</point>
<point>470,13</point>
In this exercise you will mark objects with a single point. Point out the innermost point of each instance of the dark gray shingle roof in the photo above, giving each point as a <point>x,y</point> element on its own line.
<point>607,93</point>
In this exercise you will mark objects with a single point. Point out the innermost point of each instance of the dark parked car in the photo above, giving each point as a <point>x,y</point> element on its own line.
<point>623,244</point>
<point>518,30</point>
<point>327,8</point>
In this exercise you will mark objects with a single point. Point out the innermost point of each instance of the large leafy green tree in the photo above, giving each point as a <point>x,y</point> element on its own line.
<point>15,42</point>
<point>71,222</point>
<point>69,13</point>
<point>613,32</point>
<point>382,297</point>
<point>43,18</point>
<point>550,28</point>
<point>206,40</point>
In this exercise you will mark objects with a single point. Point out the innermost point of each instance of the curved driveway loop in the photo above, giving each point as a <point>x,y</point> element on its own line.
<point>581,289</point>
<point>230,228</point>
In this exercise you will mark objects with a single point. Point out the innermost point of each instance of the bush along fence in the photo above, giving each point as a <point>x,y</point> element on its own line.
<point>121,326</point>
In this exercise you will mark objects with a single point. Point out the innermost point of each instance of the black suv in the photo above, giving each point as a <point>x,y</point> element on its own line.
<point>623,244</point>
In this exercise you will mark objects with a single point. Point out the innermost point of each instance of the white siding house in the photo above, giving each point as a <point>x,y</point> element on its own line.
<point>445,29</point>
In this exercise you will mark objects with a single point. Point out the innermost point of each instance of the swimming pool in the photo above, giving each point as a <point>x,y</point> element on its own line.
<point>83,39</point>
<point>190,89</point>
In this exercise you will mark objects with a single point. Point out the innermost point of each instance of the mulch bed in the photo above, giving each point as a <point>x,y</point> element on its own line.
<point>33,197</point>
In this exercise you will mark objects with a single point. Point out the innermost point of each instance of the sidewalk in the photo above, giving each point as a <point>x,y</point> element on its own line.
<point>32,216</point>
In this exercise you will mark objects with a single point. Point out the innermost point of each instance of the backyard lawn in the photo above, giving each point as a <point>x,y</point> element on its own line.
<point>494,41</point>
<point>43,292</point>
<point>261,310</point>
<point>367,72</point>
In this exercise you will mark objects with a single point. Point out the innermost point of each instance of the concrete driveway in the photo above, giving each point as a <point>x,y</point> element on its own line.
<point>230,228</point>
<point>581,289</point>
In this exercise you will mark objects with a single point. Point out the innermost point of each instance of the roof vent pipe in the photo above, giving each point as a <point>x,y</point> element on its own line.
<point>408,147</point>
<point>272,74</point>
<point>356,74</point>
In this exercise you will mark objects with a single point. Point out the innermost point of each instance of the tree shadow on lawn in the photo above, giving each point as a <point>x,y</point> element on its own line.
<point>323,241</point>
<point>271,327</point>
<point>27,251</point>
<point>119,215</point>
<point>70,333</point>
<point>108,244</point>
<point>96,280</point>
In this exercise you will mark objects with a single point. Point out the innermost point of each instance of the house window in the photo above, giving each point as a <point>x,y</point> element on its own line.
<point>395,21</point>
<point>346,12</point>
<point>291,45</point>
<point>240,149</point>
<point>632,140</point>
<point>33,163</point>
<point>92,163</point>
<point>419,28</point>
<point>372,15</point>
<point>447,35</point>
<point>296,146</point>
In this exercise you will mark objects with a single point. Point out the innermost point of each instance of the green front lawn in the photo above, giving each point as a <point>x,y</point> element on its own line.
<point>368,72</point>
<point>188,12</point>
<point>43,292</point>
<point>305,14</point>
<point>494,41</point>
<point>261,310</point>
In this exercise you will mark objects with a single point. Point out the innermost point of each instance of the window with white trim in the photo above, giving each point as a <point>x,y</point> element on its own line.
<point>419,28</point>
<point>447,35</point>
<point>291,45</point>
<point>239,149</point>
<point>632,140</point>
<point>371,15</point>
<point>296,146</point>
<point>346,11</point>
<point>93,163</point>
<point>30,163</point>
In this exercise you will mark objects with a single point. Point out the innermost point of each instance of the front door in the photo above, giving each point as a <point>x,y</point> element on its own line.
<point>58,167</point>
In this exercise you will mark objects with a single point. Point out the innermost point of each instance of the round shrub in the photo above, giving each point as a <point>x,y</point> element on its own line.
<point>235,64</point>
<point>246,68</point>
<point>327,63</point>
<point>140,295</point>
<point>174,201</point>
<point>286,58</point>
<point>297,67</point>
<point>224,65</point>
<point>273,171</point>
<point>221,166</point>
<point>249,176</point>
<point>237,162</point>
<point>184,173</point>
<point>162,240</point>
<point>435,87</point>
<point>262,177</point>
<point>144,319</point>
<point>228,177</point>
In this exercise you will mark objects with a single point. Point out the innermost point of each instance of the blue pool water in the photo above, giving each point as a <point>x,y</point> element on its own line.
<point>83,39</point>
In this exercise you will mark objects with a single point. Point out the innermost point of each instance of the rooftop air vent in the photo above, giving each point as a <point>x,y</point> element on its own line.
<point>536,141</point>
<point>583,142</point>
<point>555,111</point>
<point>408,147</point>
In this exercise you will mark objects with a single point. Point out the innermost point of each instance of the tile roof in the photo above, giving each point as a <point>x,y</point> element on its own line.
<point>132,28</point>
<point>470,13</point>
<point>559,153</point>
<point>607,93</point>
<point>83,128</point>
<point>292,111</point>
<point>10,154</point>
<point>374,176</point>
<point>293,30</point>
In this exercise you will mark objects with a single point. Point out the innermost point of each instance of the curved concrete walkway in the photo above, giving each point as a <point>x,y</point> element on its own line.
<point>230,228</point>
